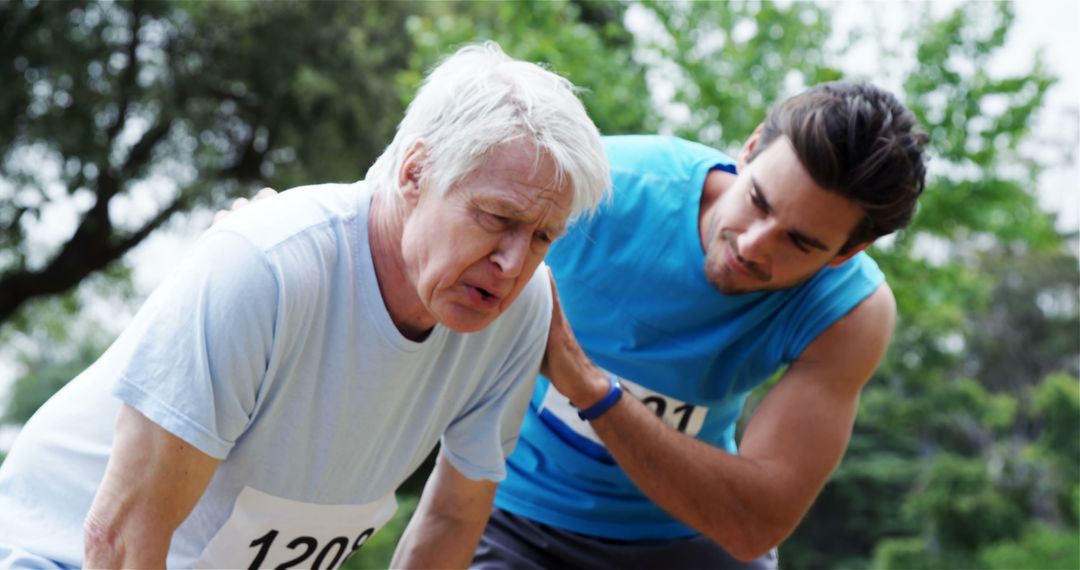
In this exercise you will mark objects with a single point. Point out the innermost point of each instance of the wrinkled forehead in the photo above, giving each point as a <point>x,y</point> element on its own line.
<point>522,181</point>
<point>519,160</point>
<point>524,158</point>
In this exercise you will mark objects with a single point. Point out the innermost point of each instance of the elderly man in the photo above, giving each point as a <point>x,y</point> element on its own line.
<point>268,399</point>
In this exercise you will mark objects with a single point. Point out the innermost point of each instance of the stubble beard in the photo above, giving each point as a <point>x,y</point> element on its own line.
<point>723,277</point>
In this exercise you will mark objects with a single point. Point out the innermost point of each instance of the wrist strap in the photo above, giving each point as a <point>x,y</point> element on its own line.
<point>605,403</point>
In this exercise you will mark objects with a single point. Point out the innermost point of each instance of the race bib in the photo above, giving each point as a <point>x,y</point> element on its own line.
<point>265,531</point>
<point>687,418</point>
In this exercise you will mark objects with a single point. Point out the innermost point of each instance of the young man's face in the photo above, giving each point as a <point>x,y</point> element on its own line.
<point>775,227</point>
<point>470,251</point>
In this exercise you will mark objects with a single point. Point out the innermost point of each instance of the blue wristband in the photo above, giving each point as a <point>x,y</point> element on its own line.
<point>605,403</point>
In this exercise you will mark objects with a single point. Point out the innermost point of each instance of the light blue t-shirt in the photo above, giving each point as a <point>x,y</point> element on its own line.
<point>631,281</point>
<point>270,348</point>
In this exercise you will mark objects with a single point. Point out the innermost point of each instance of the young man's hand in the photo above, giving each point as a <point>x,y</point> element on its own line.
<point>240,203</point>
<point>565,363</point>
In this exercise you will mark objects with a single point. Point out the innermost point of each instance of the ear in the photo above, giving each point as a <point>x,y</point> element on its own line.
<point>842,258</point>
<point>411,172</point>
<point>748,147</point>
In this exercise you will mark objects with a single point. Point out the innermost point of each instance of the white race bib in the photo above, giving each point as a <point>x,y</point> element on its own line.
<point>684,417</point>
<point>265,531</point>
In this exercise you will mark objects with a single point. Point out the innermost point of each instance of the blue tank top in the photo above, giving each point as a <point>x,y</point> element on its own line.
<point>632,284</point>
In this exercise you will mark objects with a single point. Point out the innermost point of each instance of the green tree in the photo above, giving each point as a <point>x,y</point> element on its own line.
<point>729,62</point>
<point>47,373</point>
<point>949,400</point>
<point>1057,411</point>
<point>202,100</point>
<point>1031,325</point>
<point>1040,547</point>
<point>583,40</point>
<point>63,341</point>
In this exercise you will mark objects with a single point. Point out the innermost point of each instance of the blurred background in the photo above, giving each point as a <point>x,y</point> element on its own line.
<point>127,123</point>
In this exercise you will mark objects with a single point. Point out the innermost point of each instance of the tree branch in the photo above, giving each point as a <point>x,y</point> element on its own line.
<point>128,79</point>
<point>78,258</point>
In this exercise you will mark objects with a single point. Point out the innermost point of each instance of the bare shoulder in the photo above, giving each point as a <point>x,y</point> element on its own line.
<point>852,347</point>
<point>874,316</point>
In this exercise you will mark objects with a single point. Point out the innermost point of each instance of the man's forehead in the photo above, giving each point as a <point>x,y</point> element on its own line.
<point>519,156</point>
<point>782,181</point>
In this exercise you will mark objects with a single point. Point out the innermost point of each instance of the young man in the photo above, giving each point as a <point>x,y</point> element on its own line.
<point>700,280</point>
<point>269,398</point>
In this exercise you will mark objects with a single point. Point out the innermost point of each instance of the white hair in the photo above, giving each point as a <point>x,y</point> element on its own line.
<point>479,98</point>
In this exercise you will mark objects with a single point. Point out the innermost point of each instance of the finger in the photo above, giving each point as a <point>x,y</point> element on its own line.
<point>557,308</point>
<point>265,193</point>
<point>238,204</point>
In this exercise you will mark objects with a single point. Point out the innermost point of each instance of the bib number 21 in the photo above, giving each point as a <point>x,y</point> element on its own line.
<point>683,416</point>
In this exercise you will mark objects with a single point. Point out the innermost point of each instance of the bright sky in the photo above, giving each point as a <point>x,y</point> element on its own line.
<point>1055,24</point>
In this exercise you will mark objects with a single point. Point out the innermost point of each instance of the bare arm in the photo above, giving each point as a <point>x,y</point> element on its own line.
<point>447,525</point>
<point>152,482</point>
<point>749,502</point>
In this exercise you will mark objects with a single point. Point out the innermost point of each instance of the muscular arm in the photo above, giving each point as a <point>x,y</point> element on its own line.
<point>151,484</point>
<point>749,502</point>
<point>446,528</point>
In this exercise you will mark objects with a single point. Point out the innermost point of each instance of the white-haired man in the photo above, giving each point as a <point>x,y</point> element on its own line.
<point>269,398</point>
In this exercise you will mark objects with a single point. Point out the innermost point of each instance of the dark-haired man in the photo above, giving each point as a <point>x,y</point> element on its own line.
<point>700,280</point>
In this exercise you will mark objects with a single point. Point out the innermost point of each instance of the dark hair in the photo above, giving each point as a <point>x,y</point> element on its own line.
<point>856,140</point>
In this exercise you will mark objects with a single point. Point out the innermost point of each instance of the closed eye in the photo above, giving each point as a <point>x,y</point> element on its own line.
<point>759,201</point>
<point>495,221</point>
<point>795,239</point>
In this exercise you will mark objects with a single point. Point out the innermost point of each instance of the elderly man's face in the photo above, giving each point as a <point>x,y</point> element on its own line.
<point>470,252</point>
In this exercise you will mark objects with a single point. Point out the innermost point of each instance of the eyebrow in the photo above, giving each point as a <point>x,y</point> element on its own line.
<point>505,209</point>
<point>810,241</point>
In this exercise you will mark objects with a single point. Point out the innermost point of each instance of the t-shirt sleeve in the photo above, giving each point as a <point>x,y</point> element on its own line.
<point>197,351</point>
<point>478,442</point>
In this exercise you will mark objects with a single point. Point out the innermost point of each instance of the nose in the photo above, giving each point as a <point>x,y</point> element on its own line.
<point>511,253</point>
<point>753,244</point>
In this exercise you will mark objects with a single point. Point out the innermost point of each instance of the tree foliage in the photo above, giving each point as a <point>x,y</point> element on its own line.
<point>732,61</point>
<point>986,291</point>
<point>583,40</point>
<point>201,100</point>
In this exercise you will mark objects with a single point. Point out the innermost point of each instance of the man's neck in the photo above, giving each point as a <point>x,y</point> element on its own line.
<point>386,224</point>
<point>716,183</point>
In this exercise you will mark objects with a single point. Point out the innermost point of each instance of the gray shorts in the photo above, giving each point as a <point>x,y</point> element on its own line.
<point>510,541</point>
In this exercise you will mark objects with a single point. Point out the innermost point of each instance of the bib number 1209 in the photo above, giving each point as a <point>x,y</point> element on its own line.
<point>334,551</point>
<point>267,531</point>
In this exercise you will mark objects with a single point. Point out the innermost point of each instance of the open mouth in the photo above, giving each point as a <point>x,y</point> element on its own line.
<point>484,297</point>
